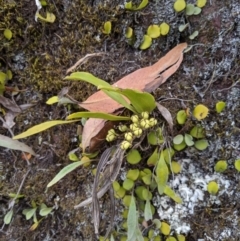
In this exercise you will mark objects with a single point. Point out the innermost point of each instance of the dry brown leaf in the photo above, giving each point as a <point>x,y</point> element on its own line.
<point>144,79</point>
<point>166,115</point>
<point>9,104</point>
<point>94,133</point>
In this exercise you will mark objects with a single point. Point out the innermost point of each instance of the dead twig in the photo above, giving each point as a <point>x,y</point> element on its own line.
<point>82,60</point>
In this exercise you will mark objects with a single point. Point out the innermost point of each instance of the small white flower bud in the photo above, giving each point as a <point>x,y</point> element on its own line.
<point>134,118</point>
<point>145,115</point>
<point>110,137</point>
<point>138,132</point>
<point>152,122</point>
<point>128,136</point>
<point>111,131</point>
<point>125,145</point>
<point>122,128</point>
<point>133,126</point>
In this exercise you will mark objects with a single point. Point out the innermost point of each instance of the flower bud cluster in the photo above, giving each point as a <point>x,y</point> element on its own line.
<point>136,128</point>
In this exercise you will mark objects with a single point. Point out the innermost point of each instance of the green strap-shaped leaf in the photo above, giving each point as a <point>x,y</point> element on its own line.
<point>99,115</point>
<point>141,101</point>
<point>161,174</point>
<point>87,77</point>
<point>69,168</point>
<point>41,127</point>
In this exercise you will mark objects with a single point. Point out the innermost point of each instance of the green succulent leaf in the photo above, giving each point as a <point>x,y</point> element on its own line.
<point>190,9</point>
<point>181,117</point>
<point>146,43</point>
<point>201,144</point>
<point>29,212</point>
<point>220,106</point>
<point>133,156</point>
<point>128,184</point>
<point>176,167</point>
<point>7,34</point>
<point>212,187</point>
<point>179,147</point>
<point>133,174</point>
<point>107,27</point>
<point>153,31</point>
<point>197,132</point>
<point>45,211</point>
<point>8,216</point>
<point>188,140</point>
<point>178,139</point>
<point>237,165</point>
<point>221,166</point>
<point>165,228</point>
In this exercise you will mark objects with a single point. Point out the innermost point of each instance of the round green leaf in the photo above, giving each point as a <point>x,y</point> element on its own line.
<point>188,140</point>
<point>153,31</point>
<point>201,3</point>
<point>176,167</point>
<point>120,193</point>
<point>171,238</point>
<point>197,10</point>
<point>133,156</point>
<point>212,188</point>
<point>164,29</point>
<point>147,42</point>
<point>133,174</point>
<point>165,228</point>
<point>180,237</point>
<point>116,186</point>
<point>45,211</point>
<point>7,34</point>
<point>197,132</point>
<point>220,106</point>
<point>179,147</point>
<point>201,144</point>
<point>147,179</point>
<point>179,5</point>
<point>221,166</point>
<point>127,200</point>
<point>128,184</point>
<point>178,139</point>
<point>190,9</point>
<point>237,164</point>
<point>181,117</point>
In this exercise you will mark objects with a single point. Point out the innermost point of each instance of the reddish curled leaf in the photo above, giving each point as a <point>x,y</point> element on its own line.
<point>144,79</point>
